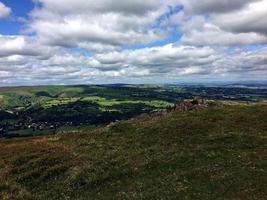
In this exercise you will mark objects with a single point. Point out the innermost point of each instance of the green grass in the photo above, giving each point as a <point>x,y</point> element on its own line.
<point>217,153</point>
<point>59,101</point>
<point>111,102</point>
<point>1,100</point>
<point>105,104</point>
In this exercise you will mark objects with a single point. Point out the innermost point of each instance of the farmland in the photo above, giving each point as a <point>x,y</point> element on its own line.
<point>28,111</point>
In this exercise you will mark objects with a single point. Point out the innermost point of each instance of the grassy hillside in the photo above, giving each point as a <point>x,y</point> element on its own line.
<point>218,153</point>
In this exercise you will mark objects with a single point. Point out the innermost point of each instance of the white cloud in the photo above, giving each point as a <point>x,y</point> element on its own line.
<point>4,10</point>
<point>98,24</point>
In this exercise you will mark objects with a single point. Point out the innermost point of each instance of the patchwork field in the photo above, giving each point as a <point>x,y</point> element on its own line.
<point>28,111</point>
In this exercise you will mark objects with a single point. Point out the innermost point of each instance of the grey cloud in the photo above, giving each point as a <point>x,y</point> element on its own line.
<point>137,7</point>
<point>215,6</point>
<point>157,60</point>
<point>247,20</point>
<point>201,33</point>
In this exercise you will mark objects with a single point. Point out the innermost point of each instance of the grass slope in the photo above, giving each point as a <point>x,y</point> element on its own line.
<point>219,153</point>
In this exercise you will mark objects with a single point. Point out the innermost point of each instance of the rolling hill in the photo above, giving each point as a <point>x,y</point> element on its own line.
<point>40,110</point>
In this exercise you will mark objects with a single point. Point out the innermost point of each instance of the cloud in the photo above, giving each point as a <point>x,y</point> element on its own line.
<point>199,32</point>
<point>222,23</point>
<point>86,41</point>
<point>166,63</point>
<point>98,24</point>
<point>22,45</point>
<point>104,25</point>
<point>251,18</point>
<point>4,10</point>
<point>137,7</point>
<point>213,6</point>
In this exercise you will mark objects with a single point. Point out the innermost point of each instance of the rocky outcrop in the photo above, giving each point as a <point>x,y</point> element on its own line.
<point>196,105</point>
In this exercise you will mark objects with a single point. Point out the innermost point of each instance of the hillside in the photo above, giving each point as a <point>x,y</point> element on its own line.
<point>216,153</point>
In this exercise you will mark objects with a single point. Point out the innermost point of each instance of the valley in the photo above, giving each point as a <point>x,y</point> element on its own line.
<point>42,110</point>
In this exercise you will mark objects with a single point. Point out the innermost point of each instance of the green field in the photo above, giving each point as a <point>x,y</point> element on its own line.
<point>105,103</point>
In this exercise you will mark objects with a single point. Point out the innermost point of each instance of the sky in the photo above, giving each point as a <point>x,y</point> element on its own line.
<point>44,42</point>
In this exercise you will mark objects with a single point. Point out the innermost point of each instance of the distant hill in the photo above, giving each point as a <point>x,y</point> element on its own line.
<point>213,153</point>
<point>40,110</point>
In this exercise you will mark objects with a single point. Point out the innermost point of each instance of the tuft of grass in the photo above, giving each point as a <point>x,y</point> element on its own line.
<point>218,153</point>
